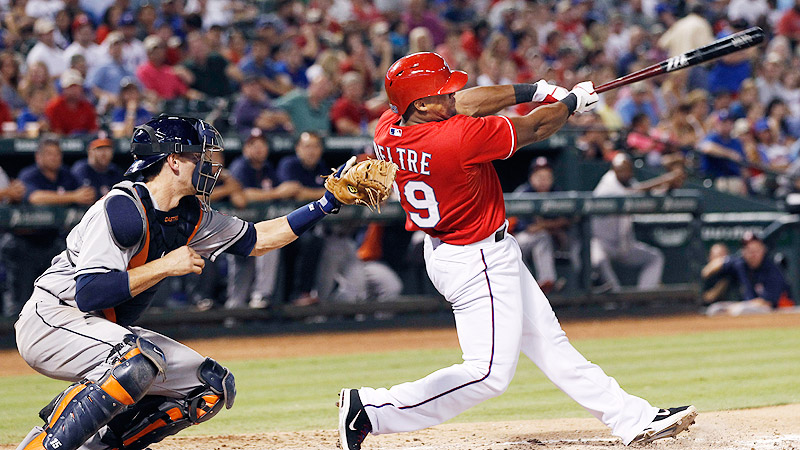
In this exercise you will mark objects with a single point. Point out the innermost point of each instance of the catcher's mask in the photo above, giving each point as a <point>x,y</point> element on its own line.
<point>420,75</point>
<point>165,135</point>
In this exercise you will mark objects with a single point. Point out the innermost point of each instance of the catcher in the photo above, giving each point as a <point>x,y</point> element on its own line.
<point>131,386</point>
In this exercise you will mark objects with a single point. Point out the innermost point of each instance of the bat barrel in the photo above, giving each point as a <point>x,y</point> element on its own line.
<point>721,47</point>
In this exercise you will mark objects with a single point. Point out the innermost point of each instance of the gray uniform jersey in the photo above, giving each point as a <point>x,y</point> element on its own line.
<point>92,249</point>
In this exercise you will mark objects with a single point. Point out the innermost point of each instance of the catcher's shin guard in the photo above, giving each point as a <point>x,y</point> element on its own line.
<point>156,417</point>
<point>83,408</point>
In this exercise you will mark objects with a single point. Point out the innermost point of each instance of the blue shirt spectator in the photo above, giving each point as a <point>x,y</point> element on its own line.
<point>109,76</point>
<point>97,170</point>
<point>638,102</point>
<point>35,180</point>
<point>291,168</point>
<point>722,167</point>
<point>264,177</point>
<point>757,276</point>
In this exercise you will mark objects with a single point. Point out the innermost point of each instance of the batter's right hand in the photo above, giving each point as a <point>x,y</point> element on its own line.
<point>587,97</point>
<point>183,260</point>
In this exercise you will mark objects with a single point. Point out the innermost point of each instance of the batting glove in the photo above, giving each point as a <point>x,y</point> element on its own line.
<point>587,97</point>
<point>548,93</point>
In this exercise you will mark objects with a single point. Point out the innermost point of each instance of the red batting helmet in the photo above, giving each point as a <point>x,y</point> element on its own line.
<point>420,75</point>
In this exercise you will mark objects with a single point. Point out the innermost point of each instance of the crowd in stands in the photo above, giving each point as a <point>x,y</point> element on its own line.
<point>310,69</point>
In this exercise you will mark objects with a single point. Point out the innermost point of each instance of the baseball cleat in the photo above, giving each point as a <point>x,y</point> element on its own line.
<point>667,423</point>
<point>354,425</point>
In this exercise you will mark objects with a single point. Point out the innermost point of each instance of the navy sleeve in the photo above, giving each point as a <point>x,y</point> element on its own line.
<point>284,172</point>
<point>97,291</point>
<point>244,246</point>
<point>238,169</point>
<point>773,282</point>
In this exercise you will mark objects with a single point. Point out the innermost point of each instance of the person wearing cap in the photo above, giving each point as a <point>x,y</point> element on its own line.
<point>640,100</point>
<point>166,82</point>
<point>259,64</point>
<point>762,286</point>
<point>613,237</point>
<point>105,79</point>
<point>722,154</point>
<point>98,170</point>
<point>133,51</point>
<point>46,49</point>
<point>70,112</point>
<point>254,109</point>
<point>83,43</point>
<point>251,281</point>
<point>541,236</point>
<point>129,112</point>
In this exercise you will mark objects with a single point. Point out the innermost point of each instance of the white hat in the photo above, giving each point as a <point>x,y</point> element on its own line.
<point>151,42</point>
<point>43,26</point>
<point>70,77</point>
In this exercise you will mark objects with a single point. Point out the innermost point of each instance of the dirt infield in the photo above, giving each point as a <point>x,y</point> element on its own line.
<point>775,428</point>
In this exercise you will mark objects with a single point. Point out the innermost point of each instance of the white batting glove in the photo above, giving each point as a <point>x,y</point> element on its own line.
<point>548,93</point>
<point>587,97</point>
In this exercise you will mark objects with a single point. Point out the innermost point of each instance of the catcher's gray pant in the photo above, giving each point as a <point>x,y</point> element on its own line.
<point>251,276</point>
<point>638,254</point>
<point>499,311</point>
<point>62,342</point>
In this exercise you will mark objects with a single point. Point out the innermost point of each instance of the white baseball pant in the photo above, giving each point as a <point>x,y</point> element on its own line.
<point>499,311</point>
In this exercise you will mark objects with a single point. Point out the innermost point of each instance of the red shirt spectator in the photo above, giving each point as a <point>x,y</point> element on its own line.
<point>349,114</point>
<point>158,77</point>
<point>70,112</point>
<point>5,113</point>
<point>789,23</point>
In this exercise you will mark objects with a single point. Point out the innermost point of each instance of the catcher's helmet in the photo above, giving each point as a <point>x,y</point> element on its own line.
<point>164,135</point>
<point>420,75</point>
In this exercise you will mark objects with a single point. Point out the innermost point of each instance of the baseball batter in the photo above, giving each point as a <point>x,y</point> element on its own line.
<point>443,142</point>
<point>132,386</point>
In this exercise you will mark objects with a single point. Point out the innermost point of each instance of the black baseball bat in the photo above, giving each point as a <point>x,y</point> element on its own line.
<point>721,47</point>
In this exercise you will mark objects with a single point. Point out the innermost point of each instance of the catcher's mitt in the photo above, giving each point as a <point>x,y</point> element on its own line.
<point>367,183</point>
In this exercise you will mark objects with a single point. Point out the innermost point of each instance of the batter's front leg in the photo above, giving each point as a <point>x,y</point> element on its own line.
<point>546,344</point>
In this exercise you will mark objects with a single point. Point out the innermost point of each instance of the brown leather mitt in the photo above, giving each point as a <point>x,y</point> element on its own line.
<point>367,183</point>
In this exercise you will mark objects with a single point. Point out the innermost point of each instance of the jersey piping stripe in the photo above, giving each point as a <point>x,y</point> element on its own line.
<point>513,137</point>
<point>222,248</point>
<point>36,307</point>
<point>141,257</point>
<point>491,358</point>
<point>196,227</point>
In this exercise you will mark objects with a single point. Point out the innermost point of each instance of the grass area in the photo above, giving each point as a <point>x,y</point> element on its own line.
<point>713,370</point>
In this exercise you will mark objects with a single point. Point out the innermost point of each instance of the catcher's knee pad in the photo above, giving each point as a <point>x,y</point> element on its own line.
<point>83,408</point>
<point>156,417</point>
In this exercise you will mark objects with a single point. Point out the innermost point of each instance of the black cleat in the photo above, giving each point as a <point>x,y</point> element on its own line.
<point>667,423</point>
<point>354,425</point>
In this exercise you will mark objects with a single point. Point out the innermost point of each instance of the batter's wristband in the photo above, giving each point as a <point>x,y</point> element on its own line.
<point>571,100</point>
<point>523,92</point>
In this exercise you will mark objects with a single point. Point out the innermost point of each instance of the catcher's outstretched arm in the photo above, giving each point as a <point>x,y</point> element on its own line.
<point>272,234</point>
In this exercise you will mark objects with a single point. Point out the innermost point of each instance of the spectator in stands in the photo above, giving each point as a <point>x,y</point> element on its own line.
<point>254,109</point>
<point>165,81</point>
<point>259,64</point>
<point>768,81</point>
<point>106,78</point>
<point>687,33</point>
<point>716,285</point>
<point>28,253</point>
<point>83,43</point>
<point>307,168</point>
<point>594,142</point>
<point>36,78</point>
<point>722,154</point>
<point>350,114</point>
<point>542,236</point>
<point>251,281</point>
<point>640,101</point>
<point>32,120</point>
<point>747,98</point>
<point>211,72</point>
<point>762,286</point>
<point>309,109</point>
<point>97,170</point>
<point>131,112</point>
<point>613,239</point>
<point>70,112</point>
<point>134,54</point>
<point>644,140</point>
<point>419,14</point>
<point>789,23</point>
<point>46,50</point>
<point>9,81</point>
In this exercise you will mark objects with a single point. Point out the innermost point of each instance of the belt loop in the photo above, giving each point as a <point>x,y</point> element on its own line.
<point>501,233</point>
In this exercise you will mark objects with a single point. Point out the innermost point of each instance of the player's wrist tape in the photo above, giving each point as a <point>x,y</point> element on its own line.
<point>571,101</point>
<point>523,92</point>
<point>305,217</point>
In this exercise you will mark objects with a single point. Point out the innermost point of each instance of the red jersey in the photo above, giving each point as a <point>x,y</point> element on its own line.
<point>445,178</point>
